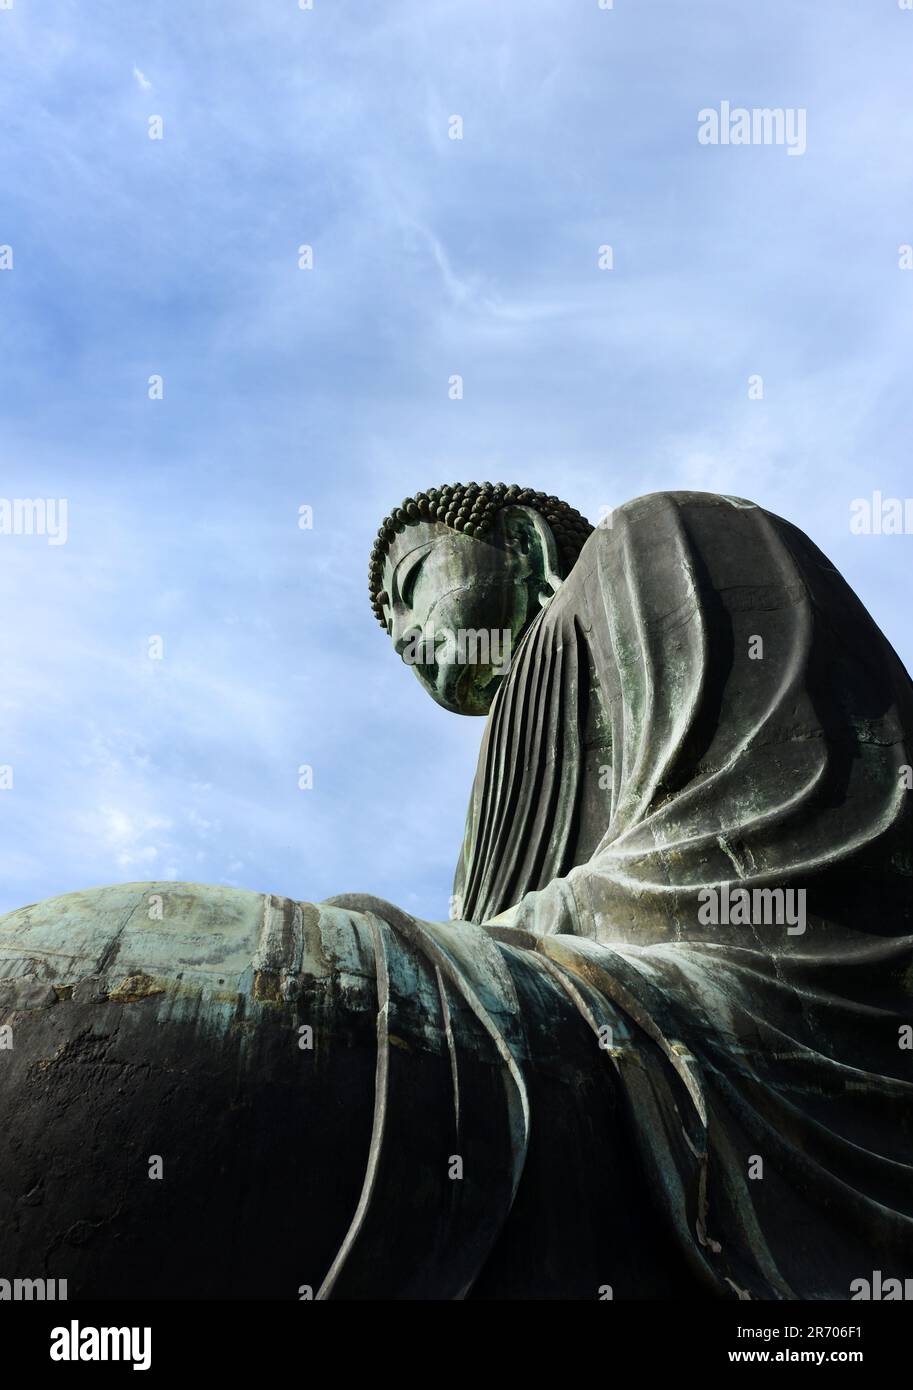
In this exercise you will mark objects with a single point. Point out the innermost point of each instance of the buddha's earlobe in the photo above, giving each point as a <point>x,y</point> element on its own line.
<point>547,557</point>
<point>552,580</point>
<point>554,583</point>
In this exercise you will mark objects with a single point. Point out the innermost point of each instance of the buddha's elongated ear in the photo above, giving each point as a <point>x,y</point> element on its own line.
<point>527,535</point>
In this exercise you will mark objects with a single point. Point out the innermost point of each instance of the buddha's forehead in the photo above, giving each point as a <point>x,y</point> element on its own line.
<point>416,536</point>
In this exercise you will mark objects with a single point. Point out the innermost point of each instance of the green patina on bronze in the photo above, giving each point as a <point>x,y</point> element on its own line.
<point>602,1060</point>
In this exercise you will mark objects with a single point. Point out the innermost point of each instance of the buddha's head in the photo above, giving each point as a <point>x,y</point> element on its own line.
<point>459,573</point>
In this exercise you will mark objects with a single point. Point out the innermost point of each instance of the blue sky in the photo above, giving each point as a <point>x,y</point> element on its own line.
<point>329,387</point>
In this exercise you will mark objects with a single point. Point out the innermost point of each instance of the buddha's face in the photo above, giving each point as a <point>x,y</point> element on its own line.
<point>456,606</point>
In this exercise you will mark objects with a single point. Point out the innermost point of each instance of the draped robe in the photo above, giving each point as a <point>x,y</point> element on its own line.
<point>647,746</point>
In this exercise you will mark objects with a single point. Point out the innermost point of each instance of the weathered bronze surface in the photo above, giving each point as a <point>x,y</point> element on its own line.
<point>638,1059</point>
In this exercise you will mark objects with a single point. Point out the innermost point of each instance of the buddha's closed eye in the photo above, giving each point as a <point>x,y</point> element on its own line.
<point>409,576</point>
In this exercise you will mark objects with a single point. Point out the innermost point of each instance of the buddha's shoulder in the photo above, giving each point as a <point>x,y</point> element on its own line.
<point>655,504</point>
<point>637,527</point>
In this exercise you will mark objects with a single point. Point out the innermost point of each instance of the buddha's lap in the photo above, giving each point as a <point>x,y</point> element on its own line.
<point>195,1069</point>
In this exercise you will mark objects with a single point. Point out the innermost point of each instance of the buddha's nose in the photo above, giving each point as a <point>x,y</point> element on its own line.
<point>401,632</point>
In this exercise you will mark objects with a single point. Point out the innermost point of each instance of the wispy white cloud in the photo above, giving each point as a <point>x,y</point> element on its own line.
<point>329,387</point>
